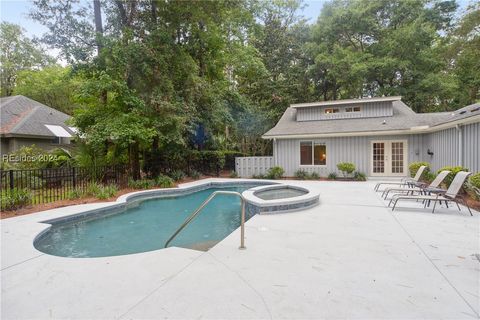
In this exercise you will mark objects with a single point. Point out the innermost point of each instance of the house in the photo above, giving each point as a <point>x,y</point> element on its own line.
<point>381,136</point>
<point>24,122</point>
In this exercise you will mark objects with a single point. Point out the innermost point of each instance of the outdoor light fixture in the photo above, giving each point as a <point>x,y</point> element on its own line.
<point>430,152</point>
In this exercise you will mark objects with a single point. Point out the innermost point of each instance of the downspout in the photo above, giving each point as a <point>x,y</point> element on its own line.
<point>460,144</point>
<point>275,151</point>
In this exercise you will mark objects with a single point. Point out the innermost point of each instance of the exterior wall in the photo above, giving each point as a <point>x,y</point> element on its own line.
<point>341,149</point>
<point>368,110</point>
<point>9,145</point>
<point>246,167</point>
<point>445,147</point>
<point>4,146</point>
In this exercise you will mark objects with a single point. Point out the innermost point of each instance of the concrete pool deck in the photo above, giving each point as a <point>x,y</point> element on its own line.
<point>349,257</point>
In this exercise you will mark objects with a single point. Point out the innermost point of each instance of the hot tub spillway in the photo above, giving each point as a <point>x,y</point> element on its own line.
<point>279,198</point>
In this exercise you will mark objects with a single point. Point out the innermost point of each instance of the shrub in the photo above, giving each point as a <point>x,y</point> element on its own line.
<point>332,175</point>
<point>177,175</point>
<point>92,189</point>
<point>414,166</point>
<point>15,198</point>
<point>314,176</point>
<point>141,183</point>
<point>163,181</point>
<point>74,194</point>
<point>301,174</point>
<point>359,176</point>
<point>107,191</point>
<point>428,176</point>
<point>258,176</point>
<point>474,185</point>
<point>194,174</point>
<point>275,173</point>
<point>453,171</point>
<point>346,168</point>
<point>233,174</point>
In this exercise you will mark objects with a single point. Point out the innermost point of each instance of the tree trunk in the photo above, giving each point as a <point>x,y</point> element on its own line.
<point>98,25</point>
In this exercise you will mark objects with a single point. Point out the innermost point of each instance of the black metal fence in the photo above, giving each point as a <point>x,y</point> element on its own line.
<point>53,184</point>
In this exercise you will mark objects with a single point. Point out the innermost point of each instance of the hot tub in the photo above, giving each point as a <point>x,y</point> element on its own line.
<point>279,198</point>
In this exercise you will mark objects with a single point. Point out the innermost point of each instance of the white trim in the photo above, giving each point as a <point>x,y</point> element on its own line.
<point>313,142</point>
<point>413,130</point>
<point>387,160</point>
<point>58,131</point>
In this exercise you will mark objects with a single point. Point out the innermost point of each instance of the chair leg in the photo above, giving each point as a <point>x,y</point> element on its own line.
<point>434,205</point>
<point>446,203</point>
<point>395,204</point>
<point>458,206</point>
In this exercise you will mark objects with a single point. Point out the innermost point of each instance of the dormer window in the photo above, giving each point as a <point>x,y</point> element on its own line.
<point>352,109</point>
<point>332,110</point>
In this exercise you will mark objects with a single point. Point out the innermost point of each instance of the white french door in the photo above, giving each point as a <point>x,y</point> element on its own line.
<point>389,158</point>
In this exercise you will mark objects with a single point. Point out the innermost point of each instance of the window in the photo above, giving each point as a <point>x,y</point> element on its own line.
<point>352,109</point>
<point>313,153</point>
<point>331,110</point>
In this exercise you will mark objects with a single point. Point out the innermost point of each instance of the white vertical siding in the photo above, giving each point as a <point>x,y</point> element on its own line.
<point>246,167</point>
<point>375,109</point>
<point>471,149</point>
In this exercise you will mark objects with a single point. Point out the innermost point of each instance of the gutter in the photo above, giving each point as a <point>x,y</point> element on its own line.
<point>413,130</point>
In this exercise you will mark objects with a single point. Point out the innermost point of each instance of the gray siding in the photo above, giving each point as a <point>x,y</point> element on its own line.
<point>375,109</point>
<point>341,149</point>
<point>445,147</point>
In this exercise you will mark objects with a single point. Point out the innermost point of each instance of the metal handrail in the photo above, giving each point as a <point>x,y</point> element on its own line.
<point>197,211</point>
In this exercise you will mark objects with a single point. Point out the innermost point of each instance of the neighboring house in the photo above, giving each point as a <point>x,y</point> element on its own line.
<point>24,122</point>
<point>381,136</point>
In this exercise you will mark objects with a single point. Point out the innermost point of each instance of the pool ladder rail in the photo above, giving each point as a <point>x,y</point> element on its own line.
<point>199,209</point>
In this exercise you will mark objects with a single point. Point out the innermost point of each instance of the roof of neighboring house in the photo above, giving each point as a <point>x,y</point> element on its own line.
<point>404,120</point>
<point>22,116</point>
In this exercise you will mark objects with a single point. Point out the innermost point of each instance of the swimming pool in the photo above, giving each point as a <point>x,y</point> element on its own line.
<point>145,226</point>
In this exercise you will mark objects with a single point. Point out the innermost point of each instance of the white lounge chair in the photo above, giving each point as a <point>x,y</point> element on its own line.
<point>420,187</point>
<point>451,195</point>
<point>405,181</point>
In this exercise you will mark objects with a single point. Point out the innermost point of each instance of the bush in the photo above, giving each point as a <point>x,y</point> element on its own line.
<point>141,183</point>
<point>301,174</point>
<point>314,176</point>
<point>332,176</point>
<point>163,181</point>
<point>177,175</point>
<point>474,185</point>
<point>107,191</point>
<point>359,176</point>
<point>233,174</point>
<point>74,194</point>
<point>453,171</point>
<point>428,176</point>
<point>346,168</point>
<point>194,174</point>
<point>258,176</point>
<point>275,173</point>
<point>414,166</point>
<point>15,198</point>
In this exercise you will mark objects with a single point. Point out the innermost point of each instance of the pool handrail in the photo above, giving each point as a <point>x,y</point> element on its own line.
<point>197,211</point>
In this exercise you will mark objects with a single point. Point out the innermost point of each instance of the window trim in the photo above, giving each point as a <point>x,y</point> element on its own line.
<point>352,109</point>
<point>312,145</point>
<point>333,110</point>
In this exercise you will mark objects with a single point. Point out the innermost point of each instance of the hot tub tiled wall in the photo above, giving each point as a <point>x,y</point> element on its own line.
<point>252,209</point>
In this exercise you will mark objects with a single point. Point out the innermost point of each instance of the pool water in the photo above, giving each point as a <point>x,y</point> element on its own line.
<point>147,227</point>
<point>279,193</point>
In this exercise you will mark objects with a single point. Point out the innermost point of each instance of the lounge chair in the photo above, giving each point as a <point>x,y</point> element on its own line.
<point>451,195</point>
<point>420,187</point>
<point>405,181</point>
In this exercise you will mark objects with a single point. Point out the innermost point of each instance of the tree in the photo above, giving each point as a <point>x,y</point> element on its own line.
<point>53,86</point>
<point>18,53</point>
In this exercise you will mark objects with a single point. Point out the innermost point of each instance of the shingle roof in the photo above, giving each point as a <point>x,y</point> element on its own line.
<point>403,119</point>
<point>20,115</point>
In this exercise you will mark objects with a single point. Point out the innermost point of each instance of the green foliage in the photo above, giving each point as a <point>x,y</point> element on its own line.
<point>474,185</point>
<point>359,176</point>
<point>163,181</point>
<point>14,199</point>
<point>475,180</point>
<point>453,171</point>
<point>141,183</point>
<point>233,174</point>
<point>75,194</point>
<point>414,166</point>
<point>275,173</point>
<point>301,174</point>
<point>106,192</point>
<point>332,176</point>
<point>347,168</point>
<point>428,177</point>
<point>314,176</point>
<point>194,174</point>
<point>259,176</point>
<point>176,175</point>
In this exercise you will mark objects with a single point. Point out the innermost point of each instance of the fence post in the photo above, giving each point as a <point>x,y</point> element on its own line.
<point>74,178</point>
<point>12,185</point>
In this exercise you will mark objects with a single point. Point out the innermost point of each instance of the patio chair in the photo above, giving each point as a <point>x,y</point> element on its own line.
<point>451,195</point>
<point>420,187</point>
<point>405,181</point>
